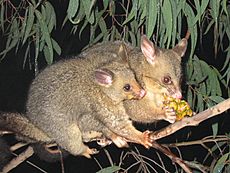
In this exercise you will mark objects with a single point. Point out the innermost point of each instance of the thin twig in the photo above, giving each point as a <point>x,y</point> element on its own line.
<point>4,132</point>
<point>172,156</point>
<point>18,160</point>
<point>199,142</point>
<point>17,146</point>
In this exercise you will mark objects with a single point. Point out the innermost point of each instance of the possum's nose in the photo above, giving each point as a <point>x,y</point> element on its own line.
<point>142,93</point>
<point>177,95</point>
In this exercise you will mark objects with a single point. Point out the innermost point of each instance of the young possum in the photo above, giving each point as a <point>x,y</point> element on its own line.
<point>74,97</point>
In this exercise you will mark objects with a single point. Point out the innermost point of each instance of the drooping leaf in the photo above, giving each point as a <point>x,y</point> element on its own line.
<point>87,4</point>
<point>110,169</point>
<point>133,38</point>
<point>215,129</point>
<point>12,39</point>
<point>72,9</point>
<point>29,23</point>
<point>37,46</point>
<point>47,54</point>
<point>215,7</point>
<point>80,15</point>
<point>130,16</point>
<point>221,163</point>
<point>50,16</point>
<point>2,16</point>
<point>47,37</point>
<point>168,19</point>
<point>56,46</point>
<point>191,26</point>
<point>151,16</point>
<point>216,99</point>
<point>24,22</point>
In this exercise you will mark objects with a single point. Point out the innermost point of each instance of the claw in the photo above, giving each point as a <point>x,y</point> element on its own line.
<point>104,142</point>
<point>170,114</point>
<point>89,152</point>
<point>147,142</point>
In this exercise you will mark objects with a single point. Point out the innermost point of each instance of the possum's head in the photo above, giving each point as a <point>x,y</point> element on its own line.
<point>164,66</point>
<point>118,81</point>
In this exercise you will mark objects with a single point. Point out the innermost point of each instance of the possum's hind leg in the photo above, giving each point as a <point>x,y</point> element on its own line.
<point>69,137</point>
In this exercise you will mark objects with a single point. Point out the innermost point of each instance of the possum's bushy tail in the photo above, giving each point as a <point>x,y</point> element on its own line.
<point>5,153</point>
<point>49,155</point>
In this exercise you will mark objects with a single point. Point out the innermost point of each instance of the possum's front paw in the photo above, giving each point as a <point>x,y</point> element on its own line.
<point>89,151</point>
<point>170,114</point>
<point>103,142</point>
<point>147,141</point>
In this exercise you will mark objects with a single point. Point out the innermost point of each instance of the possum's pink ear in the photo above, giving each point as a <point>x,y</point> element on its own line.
<point>104,77</point>
<point>148,49</point>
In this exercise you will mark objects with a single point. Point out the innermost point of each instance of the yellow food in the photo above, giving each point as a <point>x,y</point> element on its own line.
<point>181,107</point>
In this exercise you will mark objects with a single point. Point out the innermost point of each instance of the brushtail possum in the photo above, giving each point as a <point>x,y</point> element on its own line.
<point>160,74</point>
<point>72,98</point>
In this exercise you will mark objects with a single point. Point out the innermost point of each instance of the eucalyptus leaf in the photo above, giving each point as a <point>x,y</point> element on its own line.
<point>83,27</point>
<point>227,61</point>
<point>89,14</point>
<point>216,99</point>
<point>198,9</point>
<point>133,38</point>
<point>130,16</point>
<point>56,46</point>
<point>72,8</point>
<point>50,16</point>
<point>151,16</point>
<point>189,96</point>
<point>12,44</point>
<point>215,5</point>
<point>37,45</point>
<point>191,26</point>
<point>47,55</point>
<point>47,37</point>
<point>204,5</point>
<point>26,55</point>
<point>215,129</point>
<point>209,26</point>
<point>168,19</point>
<point>110,169</point>
<point>174,16</point>
<point>13,38</point>
<point>106,3</point>
<point>221,163</point>
<point>24,22</point>
<point>2,16</point>
<point>80,15</point>
<point>29,23</point>
<point>200,102</point>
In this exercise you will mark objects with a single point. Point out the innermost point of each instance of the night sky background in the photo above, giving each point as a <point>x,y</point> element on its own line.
<point>15,81</point>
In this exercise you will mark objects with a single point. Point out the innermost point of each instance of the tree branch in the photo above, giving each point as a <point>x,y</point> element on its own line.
<point>192,121</point>
<point>18,160</point>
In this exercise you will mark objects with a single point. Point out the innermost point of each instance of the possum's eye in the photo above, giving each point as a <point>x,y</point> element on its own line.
<point>127,87</point>
<point>167,80</point>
